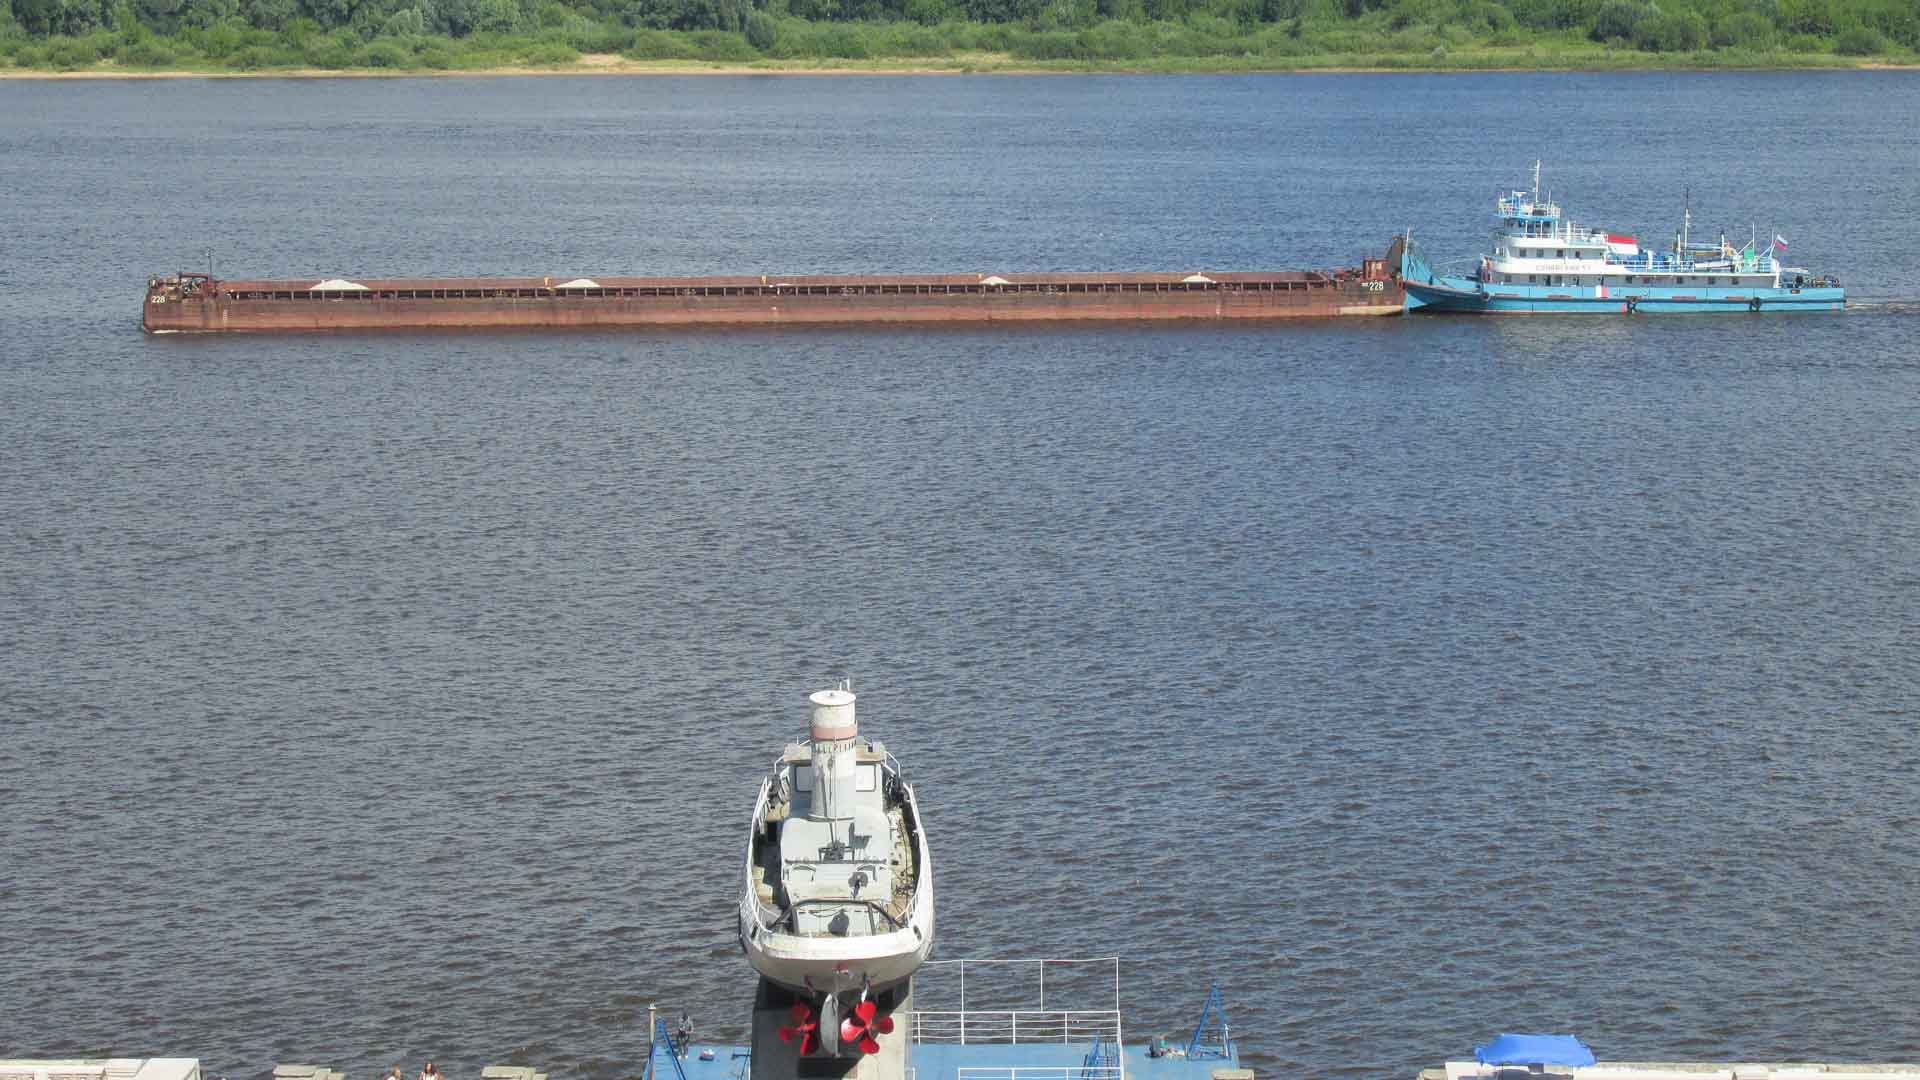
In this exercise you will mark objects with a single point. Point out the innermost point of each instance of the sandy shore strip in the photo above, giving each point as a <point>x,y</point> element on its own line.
<point>588,64</point>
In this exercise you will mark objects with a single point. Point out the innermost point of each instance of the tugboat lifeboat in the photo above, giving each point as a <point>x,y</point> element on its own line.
<point>837,896</point>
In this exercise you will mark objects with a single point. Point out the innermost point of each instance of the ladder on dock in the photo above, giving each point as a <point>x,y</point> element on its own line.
<point>663,1043</point>
<point>1102,1061</point>
<point>1211,1037</point>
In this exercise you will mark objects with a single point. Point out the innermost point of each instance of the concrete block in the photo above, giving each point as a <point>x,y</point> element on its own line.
<point>295,1072</point>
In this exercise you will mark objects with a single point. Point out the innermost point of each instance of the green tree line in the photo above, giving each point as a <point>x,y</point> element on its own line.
<point>428,34</point>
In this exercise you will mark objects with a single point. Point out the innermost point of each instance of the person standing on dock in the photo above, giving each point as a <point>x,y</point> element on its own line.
<point>430,1071</point>
<point>683,1032</point>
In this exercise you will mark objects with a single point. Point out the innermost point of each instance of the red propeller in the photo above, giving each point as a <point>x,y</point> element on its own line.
<point>865,1022</point>
<point>803,1028</point>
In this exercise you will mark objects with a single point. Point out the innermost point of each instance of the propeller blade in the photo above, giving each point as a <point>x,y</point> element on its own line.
<point>801,1012</point>
<point>884,1025</point>
<point>868,1046</point>
<point>865,1011</point>
<point>850,1031</point>
<point>786,1034</point>
<point>809,1044</point>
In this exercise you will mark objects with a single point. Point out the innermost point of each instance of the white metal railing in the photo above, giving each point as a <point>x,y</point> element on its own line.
<point>1016,1026</point>
<point>1042,1072</point>
<point>1039,965</point>
<point>1041,1024</point>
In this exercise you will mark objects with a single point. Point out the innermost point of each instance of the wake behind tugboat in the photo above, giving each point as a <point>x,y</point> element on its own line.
<point>1542,263</point>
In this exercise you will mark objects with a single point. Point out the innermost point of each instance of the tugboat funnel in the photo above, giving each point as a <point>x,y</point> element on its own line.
<point>832,732</point>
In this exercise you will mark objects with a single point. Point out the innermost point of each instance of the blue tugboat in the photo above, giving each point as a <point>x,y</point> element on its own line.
<point>1544,263</point>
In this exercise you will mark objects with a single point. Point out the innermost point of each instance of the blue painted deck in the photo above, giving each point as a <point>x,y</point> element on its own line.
<point>1019,1044</point>
<point>725,1063</point>
<point>943,1061</point>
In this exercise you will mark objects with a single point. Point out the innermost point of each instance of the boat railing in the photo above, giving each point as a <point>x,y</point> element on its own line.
<point>1566,232</point>
<point>764,919</point>
<point>879,919</point>
<point>945,1014</point>
<point>1655,262</point>
<point>1039,1072</point>
<point>1518,205</point>
<point>1016,1026</point>
<point>889,764</point>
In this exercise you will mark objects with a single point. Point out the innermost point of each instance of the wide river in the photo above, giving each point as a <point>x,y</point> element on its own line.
<point>370,698</point>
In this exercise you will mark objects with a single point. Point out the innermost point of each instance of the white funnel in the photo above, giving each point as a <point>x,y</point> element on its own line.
<point>833,729</point>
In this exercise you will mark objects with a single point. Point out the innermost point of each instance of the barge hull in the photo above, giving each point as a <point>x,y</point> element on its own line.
<point>197,304</point>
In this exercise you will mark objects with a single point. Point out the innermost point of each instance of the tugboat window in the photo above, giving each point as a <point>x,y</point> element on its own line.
<point>803,778</point>
<point>867,778</point>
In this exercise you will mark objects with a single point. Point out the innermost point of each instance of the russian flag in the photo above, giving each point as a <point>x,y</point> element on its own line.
<point>1779,242</point>
<point>1622,245</point>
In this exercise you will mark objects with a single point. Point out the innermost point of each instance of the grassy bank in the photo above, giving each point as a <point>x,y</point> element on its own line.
<point>224,37</point>
<point>445,56</point>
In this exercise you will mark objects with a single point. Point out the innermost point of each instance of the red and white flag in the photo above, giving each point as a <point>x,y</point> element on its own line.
<point>1779,242</point>
<point>1622,245</point>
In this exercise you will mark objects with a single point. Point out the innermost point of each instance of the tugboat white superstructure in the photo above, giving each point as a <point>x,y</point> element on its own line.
<point>836,904</point>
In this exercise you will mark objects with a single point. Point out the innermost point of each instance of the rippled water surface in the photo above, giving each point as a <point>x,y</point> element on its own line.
<point>365,698</point>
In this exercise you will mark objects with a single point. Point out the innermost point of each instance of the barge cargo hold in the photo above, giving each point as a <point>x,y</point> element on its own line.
<point>199,303</point>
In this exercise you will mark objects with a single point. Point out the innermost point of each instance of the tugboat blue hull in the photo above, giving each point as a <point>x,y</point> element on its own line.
<point>1453,299</point>
<point>1431,292</point>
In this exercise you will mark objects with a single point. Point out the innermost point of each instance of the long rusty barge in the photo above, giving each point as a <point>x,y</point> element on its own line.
<point>200,303</point>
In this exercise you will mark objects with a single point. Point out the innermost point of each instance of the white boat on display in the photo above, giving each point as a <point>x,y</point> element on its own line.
<point>836,904</point>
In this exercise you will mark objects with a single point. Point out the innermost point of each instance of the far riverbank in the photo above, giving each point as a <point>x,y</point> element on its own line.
<point>1483,60</point>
